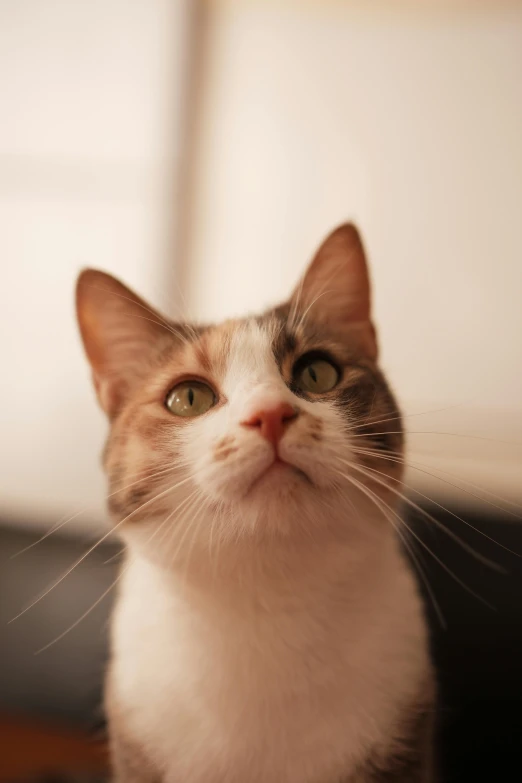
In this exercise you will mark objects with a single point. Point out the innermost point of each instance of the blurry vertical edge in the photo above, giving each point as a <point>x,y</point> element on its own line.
<point>180,228</point>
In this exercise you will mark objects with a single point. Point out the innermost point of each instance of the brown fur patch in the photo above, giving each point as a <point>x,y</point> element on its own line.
<point>221,454</point>
<point>409,757</point>
<point>225,441</point>
<point>212,349</point>
<point>149,428</point>
<point>316,428</point>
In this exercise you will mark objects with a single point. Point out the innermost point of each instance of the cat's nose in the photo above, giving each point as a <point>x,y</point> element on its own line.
<point>272,421</point>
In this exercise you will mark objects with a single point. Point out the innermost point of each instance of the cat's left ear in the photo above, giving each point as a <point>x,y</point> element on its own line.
<point>335,290</point>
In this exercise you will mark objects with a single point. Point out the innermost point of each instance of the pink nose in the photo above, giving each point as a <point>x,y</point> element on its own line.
<point>272,421</point>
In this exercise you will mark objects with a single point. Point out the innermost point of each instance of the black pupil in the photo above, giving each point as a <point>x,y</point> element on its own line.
<point>191,397</point>
<point>312,373</point>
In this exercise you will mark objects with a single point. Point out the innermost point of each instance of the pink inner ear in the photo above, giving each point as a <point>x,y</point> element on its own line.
<point>336,285</point>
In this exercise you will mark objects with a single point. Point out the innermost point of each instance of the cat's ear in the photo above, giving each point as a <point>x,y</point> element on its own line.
<point>119,332</point>
<point>335,289</point>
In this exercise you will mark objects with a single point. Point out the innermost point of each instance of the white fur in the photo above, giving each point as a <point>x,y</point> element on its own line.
<point>271,658</point>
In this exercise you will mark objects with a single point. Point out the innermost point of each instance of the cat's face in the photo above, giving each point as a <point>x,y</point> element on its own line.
<point>272,424</point>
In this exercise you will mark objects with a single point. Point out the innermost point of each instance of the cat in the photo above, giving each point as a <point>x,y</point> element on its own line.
<point>268,628</point>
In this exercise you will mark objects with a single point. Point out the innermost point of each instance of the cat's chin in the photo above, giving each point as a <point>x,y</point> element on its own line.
<point>277,492</point>
<point>279,475</point>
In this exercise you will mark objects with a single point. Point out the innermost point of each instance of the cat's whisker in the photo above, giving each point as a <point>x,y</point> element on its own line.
<point>95,546</point>
<point>213,523</point>
<point>177,527</point>
<point>403,416</point>
<point>423,469</point>
<point>170,533</point>
<point>371,495</point>
<point>217,523</point>
<point>188,527</point>
<point>149,474</point>
<point>370,473</point>
<point>62,523</point>
<point>54,529</point>
<point>408,545</point>
<point>149,477</point>
<point>369,436</point>
<point>196,529</point>
<point>85,614</point>
<point>115,557</point>
<point>66,574</point>
<point>98,600</point>
<point>470,484</point>
<point>414,466</point>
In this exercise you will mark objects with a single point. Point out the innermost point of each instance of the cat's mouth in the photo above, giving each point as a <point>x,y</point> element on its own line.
<point>279,470</point>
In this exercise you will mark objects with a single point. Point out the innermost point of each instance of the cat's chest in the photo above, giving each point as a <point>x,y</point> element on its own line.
<point>201,692</point>
<point>209,717</point>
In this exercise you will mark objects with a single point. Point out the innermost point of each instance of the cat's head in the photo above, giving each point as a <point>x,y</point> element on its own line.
<point>277,424</point>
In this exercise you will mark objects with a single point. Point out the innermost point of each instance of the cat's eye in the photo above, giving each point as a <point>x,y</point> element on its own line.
<point>316,375</point>
<point>190,398</point>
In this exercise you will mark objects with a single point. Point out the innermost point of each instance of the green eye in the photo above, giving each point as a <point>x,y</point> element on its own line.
<point>317,376</point>
<point>190,398</point>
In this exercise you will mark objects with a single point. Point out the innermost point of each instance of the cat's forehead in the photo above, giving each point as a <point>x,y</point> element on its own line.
<point>257,345</point>
<point>239,347</point>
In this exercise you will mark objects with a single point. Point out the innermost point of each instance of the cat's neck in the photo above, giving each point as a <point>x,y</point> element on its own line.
<point>265,567</point>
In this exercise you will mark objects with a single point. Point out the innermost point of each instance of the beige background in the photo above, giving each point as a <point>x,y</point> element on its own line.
<point>300,116</point>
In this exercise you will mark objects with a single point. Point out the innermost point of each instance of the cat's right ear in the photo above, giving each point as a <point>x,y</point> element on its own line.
<point>335,290</point>
<point>119,332</point>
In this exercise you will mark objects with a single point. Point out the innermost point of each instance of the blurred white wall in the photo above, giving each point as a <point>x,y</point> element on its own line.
<point>91,94</point>
<point>409,120</point>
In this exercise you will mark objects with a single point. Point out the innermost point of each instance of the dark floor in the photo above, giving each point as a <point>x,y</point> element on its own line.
<point>478,651</point>
<point>478,654</point>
